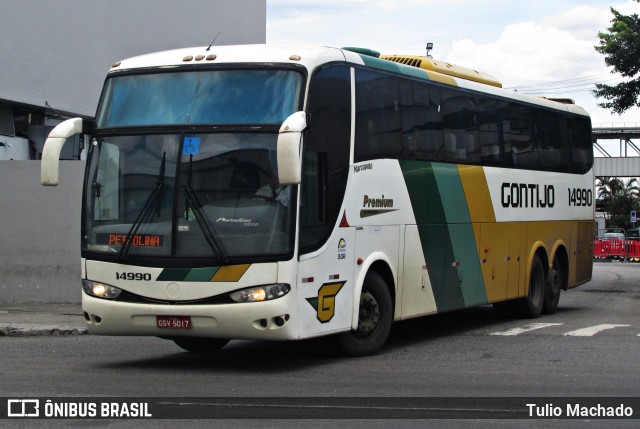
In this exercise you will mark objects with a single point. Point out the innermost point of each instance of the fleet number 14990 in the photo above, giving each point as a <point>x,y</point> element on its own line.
<point>580,197</point>
<point>134,276</point>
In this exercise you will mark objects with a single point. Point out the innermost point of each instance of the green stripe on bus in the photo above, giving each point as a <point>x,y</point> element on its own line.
<point>466,253</point>
<point>438,254</point>
<point>430,217</point>
<point>421,184</point>
<point>173,274</point>
<point>449,184</point>
<point>446,233</point>
<point>463,239</point>
<point>201,274</point>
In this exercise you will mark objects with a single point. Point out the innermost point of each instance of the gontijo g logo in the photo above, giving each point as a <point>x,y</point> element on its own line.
<point>325,303</point>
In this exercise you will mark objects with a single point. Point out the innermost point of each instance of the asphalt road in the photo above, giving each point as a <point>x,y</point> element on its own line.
<point>589,348</point>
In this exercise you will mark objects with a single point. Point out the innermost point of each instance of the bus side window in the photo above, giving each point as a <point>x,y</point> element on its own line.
<point>520,138</point>
<point>461,128</point>
<point>489,132</point>
<point>106,187</point>
<point>554,150</point>
<point>326,154</point>
<point>427,134</point>
<point>378,116</point>
<point>579,134</point>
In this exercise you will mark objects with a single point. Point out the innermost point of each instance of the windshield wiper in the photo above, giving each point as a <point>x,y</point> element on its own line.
<point>192,200</point>
<point>154,198</point>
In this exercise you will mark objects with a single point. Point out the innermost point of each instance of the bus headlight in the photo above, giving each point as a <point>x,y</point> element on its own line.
<point>260,293</point>
<point>100,290</point>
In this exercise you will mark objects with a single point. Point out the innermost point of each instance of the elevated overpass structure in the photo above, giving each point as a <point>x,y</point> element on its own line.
<point>627,163</point>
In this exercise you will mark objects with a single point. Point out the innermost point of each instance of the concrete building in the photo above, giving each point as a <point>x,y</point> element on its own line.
<point>55,56</point>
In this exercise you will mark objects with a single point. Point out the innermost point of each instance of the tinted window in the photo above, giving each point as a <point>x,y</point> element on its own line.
<point>460,127</point>
<point>426,140</point>
<point>256,96</point>
<point>379,114</point>
<point>491,112</point>
<point>405,118</point>
<point>326,154</point>
<point>579,132</point>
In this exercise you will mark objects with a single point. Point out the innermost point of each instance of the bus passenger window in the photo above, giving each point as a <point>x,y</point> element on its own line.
<point>460,126</point>
<point>378,116</point>
<point>489,132</point>
<point>326,155</point>
<point>428,121</point>
<point>525,150</point>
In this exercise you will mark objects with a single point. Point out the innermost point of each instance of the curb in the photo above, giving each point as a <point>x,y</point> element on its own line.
<point>31,330</point>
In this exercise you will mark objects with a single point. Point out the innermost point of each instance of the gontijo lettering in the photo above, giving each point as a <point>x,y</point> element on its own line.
<point>528,195</point>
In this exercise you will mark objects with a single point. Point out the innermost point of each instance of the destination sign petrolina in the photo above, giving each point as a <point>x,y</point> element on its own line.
<point>138,240</point>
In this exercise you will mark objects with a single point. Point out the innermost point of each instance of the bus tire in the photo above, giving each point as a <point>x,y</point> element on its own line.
<point>531,306</point>
<point>200,345</point>
<point>555,283</point>
<point>375,316</point>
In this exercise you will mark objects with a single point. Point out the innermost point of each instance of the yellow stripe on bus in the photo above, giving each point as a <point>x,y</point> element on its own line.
<point>441,78</point>
<point>230,273</point>
<point>477,194</point>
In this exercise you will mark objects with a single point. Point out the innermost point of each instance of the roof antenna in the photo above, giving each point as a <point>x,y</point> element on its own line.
<point>213,41</point>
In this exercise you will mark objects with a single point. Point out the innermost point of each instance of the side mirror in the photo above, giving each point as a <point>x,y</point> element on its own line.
<point>289,145</point>
<point>53,146</point>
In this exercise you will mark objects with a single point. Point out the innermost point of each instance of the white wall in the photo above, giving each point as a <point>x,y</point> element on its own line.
<point>40,230</point>
<point>59,51</point>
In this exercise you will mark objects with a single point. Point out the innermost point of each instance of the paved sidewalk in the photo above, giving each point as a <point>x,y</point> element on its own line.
<point>25,320</point>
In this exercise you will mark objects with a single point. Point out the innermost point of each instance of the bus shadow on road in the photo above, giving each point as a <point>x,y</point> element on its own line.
<point>254,356</point>
<point>241,356</point>
<point>434,327</point>
<point>471,321</point>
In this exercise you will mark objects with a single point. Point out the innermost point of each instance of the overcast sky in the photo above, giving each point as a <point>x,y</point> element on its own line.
<point>539,46</point>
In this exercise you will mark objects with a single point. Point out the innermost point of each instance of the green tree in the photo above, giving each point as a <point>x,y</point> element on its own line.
<point>620,46</point>
<point>620,198</point>
<point>608,188</point>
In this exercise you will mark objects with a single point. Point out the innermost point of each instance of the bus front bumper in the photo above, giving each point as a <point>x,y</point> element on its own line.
<point>269,320</point>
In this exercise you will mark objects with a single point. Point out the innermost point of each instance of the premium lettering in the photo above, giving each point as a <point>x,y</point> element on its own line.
<point>377,202</point>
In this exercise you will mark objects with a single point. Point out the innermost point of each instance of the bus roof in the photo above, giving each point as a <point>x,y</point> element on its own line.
<point>311,57</point>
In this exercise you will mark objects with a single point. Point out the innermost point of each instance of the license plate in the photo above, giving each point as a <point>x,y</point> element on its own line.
<point>173,322</point>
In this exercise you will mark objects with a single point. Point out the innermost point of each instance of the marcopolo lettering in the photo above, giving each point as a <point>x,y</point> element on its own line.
<point>362,167</point>
<point>528,195</point>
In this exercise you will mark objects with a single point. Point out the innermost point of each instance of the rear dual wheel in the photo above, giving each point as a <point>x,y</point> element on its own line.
<point>556,281</point>
<point>533,304</point>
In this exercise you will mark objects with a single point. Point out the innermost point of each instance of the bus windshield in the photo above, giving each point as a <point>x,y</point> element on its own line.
<point>213,196</point>
<point>163,183</point>
<point>221,97</point>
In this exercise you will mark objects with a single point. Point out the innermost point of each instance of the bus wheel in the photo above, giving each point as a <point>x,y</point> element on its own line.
<point>531,306</point>
<point>553,287</point>
<point>200,345</point>
<point>374,319</point>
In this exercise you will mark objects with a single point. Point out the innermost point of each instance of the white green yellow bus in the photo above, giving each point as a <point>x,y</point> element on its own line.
<point>283,193</point>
